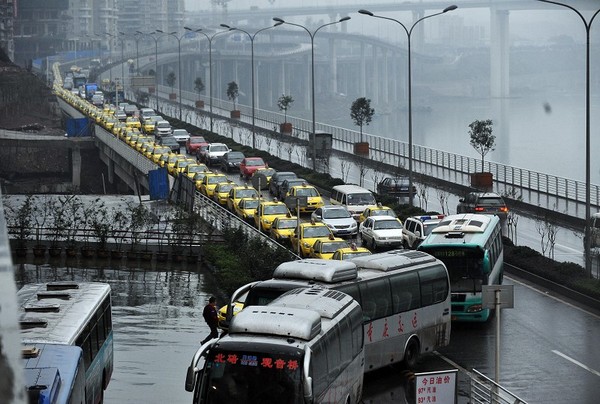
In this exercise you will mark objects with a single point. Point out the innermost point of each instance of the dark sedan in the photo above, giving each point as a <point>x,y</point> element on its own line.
<point>230,161</point>
<point>395,187</point>
<point>170,142</point>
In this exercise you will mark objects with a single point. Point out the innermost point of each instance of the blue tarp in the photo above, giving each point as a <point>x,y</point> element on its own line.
<point>158,181</point>
<point>78,127</point>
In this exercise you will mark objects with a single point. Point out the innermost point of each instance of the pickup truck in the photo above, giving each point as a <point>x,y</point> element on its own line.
<point>214,152</point>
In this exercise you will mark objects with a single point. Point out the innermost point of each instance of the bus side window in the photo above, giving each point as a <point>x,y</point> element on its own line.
<point>376,293</point>
<point>318,368</point>
<point>406,288</point>
<point>434,285</point>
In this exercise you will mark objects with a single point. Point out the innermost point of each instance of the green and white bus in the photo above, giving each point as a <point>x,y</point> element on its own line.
<point>471,247</point>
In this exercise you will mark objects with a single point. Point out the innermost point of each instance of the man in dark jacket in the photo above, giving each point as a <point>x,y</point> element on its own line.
<point>210,316</point>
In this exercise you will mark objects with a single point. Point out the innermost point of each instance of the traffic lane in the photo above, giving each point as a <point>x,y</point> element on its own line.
<point>534,336</point>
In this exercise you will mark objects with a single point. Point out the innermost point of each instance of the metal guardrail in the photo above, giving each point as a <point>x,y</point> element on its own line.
<point>485,390</point>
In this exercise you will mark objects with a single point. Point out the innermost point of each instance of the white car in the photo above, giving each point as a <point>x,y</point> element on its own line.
<point>162,128</point>
<point>181,135</point>
<point>338,219</point>
<point>416,228</point>
<point>381,232</point>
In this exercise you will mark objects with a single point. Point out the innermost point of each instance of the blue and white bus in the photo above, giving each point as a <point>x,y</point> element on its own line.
<point>405,297</point>
<point>471,247</point>
<point>72,313</point>
<point>54,374</point>
<point>304,347</point>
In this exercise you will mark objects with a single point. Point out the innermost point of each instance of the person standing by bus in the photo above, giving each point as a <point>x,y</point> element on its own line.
<point>210,316</point>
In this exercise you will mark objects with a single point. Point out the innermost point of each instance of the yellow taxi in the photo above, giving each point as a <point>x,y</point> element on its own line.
<point>265,175</point>
<point>325,249</point>
<point>221,191</point>
<point>127,134</point>
<point>239,192</point>
<point>267,211</point>
<point>282,228</point>
<point>132,139</point>
<point>147,148</point>
<point>198,177</point>
<point>133,122</point>
<point>174,158</point>
<point>108,122</point>
<point>158,151</point>
<point>148,126</point>
<point>378,210</point>
<point>210,181</point>
<point>313,198</point>
<point>140,141</point>
<point>118,128</point>
<point>352,251</point>
<point>194,168</point>
<point>222,314</point>
<point>246,209</point>
<point>180,165</point>
<point>163,160</point>
<point>306,234</point>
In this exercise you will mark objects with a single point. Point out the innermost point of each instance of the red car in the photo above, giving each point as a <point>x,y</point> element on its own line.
<point>193,144</point>
<point>249,165</point>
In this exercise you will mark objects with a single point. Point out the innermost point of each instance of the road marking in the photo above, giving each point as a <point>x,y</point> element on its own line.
<point>576,362</point>
<point>545,293</point>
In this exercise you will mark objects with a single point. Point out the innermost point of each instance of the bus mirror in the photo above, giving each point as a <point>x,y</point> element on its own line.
<point>190,378</point>
<point>308,390</point>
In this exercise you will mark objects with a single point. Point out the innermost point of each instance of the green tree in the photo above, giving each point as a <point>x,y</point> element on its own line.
<point>171,80</point>
<point>284,103</point>
<point>482,139</point>
<point>198,85</point>
<point>233,92</point>
<point>361,113</point>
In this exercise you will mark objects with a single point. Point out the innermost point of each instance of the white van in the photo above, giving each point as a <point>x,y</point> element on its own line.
<point>356,199</point>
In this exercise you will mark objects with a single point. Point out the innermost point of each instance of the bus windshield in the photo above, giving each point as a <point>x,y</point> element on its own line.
<point>465,267</point>
<point>241,376</point>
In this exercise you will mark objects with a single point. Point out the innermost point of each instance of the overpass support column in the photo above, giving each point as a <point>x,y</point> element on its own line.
<point>417,44</point>
<point>333,64</point>
<point>499,55</point>
<point>363,70</point>
<point>76,166</point>
<point>376,81</point>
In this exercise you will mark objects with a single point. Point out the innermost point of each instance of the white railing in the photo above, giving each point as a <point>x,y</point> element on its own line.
<point>485,391</point>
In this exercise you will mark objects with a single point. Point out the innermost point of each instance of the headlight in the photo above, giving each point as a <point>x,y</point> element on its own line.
<point>474,308</point>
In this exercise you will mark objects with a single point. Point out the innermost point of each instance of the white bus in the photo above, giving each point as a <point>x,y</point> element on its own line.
<point>304,347</point>
<point>72,313</point>
<point>405,297</point>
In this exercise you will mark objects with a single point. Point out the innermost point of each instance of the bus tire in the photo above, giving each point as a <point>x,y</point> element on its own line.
<point>411,353</point>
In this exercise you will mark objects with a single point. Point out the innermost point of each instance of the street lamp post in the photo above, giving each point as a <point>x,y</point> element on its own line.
<point>155,63</point>
<point>210,84</point>
<point>410,137</point>
<point>110,81</point>
<point>588,26</point>
<point>312,75</point>
<point>179,38</point>
<point>122,39</point>
<point>251,37</point>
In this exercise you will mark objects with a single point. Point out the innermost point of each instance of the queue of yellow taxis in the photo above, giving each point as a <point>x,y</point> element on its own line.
<point>313,198</point>
<point>352,251</point>
<point>325,249</point>
<point>210,181</point>
<point>282,229</point>
<point>159,151</point>
<point>378,210</point>
<point>267,211</point>
<point>239,192</point>
<point>306,234</point>
<point>222,191</point>
<point>246,209</point>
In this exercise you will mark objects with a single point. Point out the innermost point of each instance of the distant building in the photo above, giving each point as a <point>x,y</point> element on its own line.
<point>7,15</point>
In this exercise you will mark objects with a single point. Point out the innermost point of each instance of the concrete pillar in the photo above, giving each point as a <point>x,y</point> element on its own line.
<point>375,74</point>
<point>76,166</point>
<point>499,53</point>
<point>333,64</point>
<point>363,69</point>
<point>386,79</point>
<point>418,35</point>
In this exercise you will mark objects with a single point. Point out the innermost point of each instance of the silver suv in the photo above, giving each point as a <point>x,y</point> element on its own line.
<point>485,203</point>
<point>338,219</point>
<point>416,228</point>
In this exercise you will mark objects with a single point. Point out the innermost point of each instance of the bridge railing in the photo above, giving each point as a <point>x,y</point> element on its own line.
<point>141,162</point>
